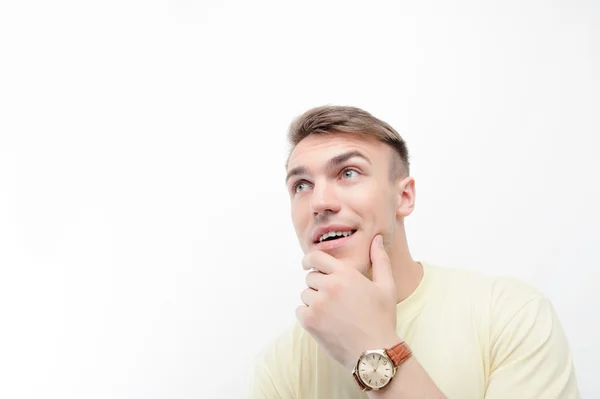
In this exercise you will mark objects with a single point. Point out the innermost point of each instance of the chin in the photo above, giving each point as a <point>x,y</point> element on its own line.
<point>357,261</point>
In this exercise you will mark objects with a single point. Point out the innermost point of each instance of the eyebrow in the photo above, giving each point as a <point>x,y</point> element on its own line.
<point>332,163</point>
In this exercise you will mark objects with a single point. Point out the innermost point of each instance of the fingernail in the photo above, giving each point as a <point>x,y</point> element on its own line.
<point>380,238</point>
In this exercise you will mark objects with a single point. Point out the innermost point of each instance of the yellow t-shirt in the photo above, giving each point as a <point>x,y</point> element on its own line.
<point>476,336</point>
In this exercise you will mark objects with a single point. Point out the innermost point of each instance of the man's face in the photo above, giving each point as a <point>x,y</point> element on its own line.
<point>341,182</point>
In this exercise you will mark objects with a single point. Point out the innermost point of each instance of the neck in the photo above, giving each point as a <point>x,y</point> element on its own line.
<point>407,273</point>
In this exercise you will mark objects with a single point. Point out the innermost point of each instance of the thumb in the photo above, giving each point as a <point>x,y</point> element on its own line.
<point>382,266</point>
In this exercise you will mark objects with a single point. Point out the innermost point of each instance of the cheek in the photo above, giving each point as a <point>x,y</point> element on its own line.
<point>298,218</point>
<point>381,211</point>
<point>374,202</point>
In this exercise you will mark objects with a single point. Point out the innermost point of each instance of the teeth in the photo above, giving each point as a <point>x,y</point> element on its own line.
<point>334,233</point>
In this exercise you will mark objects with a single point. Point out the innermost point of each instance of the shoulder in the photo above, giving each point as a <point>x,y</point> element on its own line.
<point>510,306</point>
<point>527,338</point>
<point>282,348</point>
<point>518,329</point>
<point>292,341</point>
<point>493,300</point>
<point>276,366</point>
<point>479,286</point>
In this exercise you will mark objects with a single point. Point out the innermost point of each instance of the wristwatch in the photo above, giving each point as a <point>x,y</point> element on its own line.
<point>376,368</point>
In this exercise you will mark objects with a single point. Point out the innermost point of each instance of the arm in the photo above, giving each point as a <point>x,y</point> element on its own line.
<point>346,313</point>
<point>530,356</point>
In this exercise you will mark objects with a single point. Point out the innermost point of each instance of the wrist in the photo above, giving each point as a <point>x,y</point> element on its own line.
<point>379,343</point>
<point>394,388</point>
<point>375,368</point>
<point>410,381</point>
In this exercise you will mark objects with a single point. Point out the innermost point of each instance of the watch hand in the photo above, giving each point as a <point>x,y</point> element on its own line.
<point>376,367</point>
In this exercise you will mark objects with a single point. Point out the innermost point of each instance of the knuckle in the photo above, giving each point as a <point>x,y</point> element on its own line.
<point>304,296</point>
<point>309,320</point>
<point>301,314</point>
<point>314,257</point>
<point>317,303</point>
<point>334,289</point>
<point>310,278</point>
<point>306,262</point>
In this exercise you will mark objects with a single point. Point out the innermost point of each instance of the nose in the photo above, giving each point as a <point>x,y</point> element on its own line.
<point>324,200</point>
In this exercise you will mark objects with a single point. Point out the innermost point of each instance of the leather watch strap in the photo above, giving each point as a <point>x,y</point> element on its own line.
<point>362,386</point>
<point>399,353</point>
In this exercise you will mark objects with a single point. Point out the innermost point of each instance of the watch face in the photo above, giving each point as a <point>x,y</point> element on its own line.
<point>375,370</point>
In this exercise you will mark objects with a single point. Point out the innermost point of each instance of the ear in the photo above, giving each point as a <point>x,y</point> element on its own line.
<point>406,196</point>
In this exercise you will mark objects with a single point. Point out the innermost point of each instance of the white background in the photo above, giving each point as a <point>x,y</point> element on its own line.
<point>146,248</point>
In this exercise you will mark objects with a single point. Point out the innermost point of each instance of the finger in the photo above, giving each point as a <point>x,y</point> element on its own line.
<point>382,269</point>
<point>304,317</point>
<point>320,261</point>
<point>316,280</point>
<point>307,296</point>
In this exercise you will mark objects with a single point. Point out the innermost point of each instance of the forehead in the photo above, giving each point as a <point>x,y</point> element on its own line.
<point>317,149</point>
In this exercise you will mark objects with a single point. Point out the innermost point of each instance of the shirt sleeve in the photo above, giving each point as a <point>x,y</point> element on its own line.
<point>530,356</point>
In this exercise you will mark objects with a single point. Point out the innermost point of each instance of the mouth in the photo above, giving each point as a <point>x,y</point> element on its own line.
<point>333,236</point>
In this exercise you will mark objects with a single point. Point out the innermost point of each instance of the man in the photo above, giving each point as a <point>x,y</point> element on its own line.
<point>375,323</point>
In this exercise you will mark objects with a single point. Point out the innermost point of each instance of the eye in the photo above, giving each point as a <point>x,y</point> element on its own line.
<point>298,187</point>
<point>347,173</point>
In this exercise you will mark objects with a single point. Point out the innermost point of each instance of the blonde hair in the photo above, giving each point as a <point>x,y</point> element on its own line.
<point>331,119</point>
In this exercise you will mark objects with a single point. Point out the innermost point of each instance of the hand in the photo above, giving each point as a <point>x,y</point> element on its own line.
<point>345,312</point>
